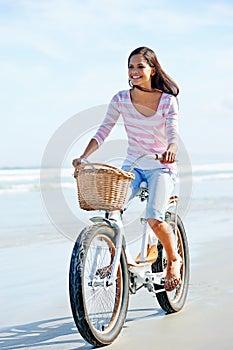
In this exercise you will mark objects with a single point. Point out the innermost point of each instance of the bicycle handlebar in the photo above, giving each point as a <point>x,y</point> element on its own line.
<point>148,156</point>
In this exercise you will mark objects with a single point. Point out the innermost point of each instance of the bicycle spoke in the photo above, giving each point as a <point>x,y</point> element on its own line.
<point>100,301</point>
<point>99,308</point>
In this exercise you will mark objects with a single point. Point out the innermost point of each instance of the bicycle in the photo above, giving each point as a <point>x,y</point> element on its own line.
<point>102,271</point>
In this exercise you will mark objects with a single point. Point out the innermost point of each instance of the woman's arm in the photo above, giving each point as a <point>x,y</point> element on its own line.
<point>91,147</point>
<point>102,133</point>
<point>171,132</point>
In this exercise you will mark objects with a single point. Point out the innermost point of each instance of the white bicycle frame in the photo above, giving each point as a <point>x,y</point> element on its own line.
<point>143,269</point>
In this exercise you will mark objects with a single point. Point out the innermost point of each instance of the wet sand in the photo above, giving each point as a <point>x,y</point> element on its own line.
<point>35,311</point>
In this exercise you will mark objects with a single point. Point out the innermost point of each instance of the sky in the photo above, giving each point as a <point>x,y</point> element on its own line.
<point>61,57</point>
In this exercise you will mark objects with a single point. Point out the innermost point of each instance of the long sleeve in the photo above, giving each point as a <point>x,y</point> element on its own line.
<point>109,121</point>
<point>172,121</point>
<point>145,135</point>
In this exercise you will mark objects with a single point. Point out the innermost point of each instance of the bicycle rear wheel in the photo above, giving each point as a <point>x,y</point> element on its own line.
<point>174,301</point>
<point>99,309</point>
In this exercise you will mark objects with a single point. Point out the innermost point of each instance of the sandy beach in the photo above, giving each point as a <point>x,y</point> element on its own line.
<point>35,312</point>
<point>34,266</point>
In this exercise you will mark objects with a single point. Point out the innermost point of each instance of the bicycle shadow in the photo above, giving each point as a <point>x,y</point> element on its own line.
<point>142,314</point>
<point>59,332</point>
<point>56,333</point>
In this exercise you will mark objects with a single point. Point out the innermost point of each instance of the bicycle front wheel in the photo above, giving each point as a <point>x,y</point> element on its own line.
<point>174,301</point>
<point>99,308</point>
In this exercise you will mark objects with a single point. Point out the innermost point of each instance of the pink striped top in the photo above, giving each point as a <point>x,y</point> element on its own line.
<point>146,135</point>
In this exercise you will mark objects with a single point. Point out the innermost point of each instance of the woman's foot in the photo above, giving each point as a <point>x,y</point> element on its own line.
<point>172,279</point>
<point>104,271</point>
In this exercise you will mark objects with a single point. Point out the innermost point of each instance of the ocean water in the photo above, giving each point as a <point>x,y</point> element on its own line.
<point>25,217</point>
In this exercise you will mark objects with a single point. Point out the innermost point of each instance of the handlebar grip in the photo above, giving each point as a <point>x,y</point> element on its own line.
<point>159,156</point>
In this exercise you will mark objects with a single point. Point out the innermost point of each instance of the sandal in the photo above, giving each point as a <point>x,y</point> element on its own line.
<point>171,283</point>
<point>104,271</point>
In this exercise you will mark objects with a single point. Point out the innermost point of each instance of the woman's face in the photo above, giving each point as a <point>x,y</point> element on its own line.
<point>140,72</point>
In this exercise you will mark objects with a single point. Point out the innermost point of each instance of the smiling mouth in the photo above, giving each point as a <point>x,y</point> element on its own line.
<point>135,77</point>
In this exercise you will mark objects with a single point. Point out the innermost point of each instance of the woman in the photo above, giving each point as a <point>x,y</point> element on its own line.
<point>149,110</point>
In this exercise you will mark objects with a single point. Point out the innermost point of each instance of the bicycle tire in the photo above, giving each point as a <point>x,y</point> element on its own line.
<point>174,301</point>
<point>98,320</point>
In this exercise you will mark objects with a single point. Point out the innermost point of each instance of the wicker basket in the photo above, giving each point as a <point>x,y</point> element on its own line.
<point>102,186</point>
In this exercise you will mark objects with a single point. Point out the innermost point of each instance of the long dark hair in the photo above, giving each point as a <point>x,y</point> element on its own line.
<point>160,80</point>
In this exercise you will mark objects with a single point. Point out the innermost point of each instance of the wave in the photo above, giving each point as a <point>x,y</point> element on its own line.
<point>19,175</point>
<point>213,167</point>
<point>19,188</point>
<point>30,179</point>
<point>209,177</point>
<point>214,171</point>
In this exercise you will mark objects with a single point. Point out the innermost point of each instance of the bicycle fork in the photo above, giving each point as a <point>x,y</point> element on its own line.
<point>116,223</point>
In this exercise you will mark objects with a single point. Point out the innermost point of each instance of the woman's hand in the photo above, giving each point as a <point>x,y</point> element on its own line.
<point>91,147</point>
<point>170,155</point>
<point>77,161</point>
